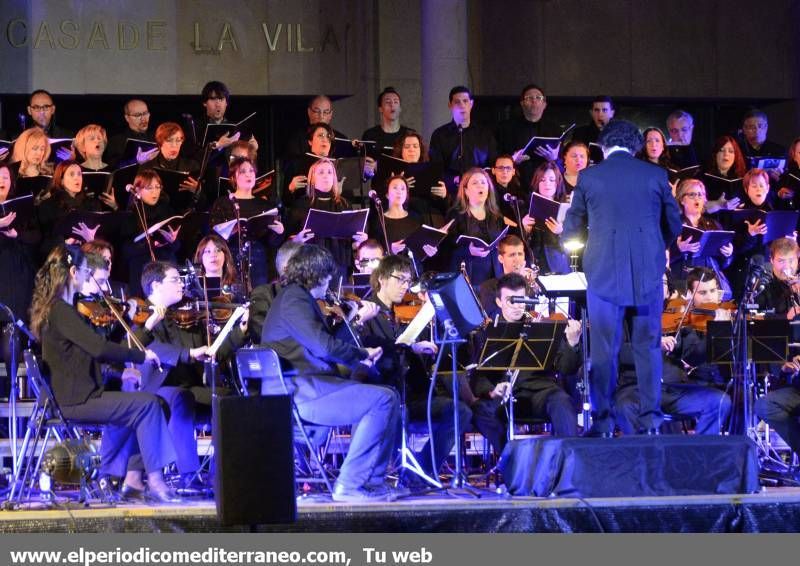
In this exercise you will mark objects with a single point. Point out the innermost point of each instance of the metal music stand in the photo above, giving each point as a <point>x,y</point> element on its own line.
<point>512,347</point>
<point>573,286</point>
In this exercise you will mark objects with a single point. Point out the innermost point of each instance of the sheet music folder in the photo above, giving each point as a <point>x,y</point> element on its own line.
<point>536,353</point>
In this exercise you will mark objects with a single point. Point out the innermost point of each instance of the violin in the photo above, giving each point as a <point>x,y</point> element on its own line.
<point>408,308</point>
<point>189,313</point>
<point>97,310</point>
<point>697,317</point>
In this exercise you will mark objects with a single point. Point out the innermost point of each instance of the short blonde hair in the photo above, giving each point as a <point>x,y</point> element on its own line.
<point>83,133</point>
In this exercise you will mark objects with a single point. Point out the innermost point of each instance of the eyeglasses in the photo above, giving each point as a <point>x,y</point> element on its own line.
<point>139,115</point>
<point>42,108</point>
<point>367,261</point>
<point>323,136</point>
<point>695,194</point>
<point>533,97</point>
<point>321,112</point>
<point>175,279</point>
<point>505,168</point>
<point>402,280</point>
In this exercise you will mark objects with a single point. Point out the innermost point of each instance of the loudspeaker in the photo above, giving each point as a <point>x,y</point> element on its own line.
<point>254,480</point>
<point>453,299</point>
<point>631,466</point>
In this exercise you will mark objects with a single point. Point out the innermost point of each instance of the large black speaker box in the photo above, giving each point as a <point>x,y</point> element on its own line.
<point>254,479</point>
<point>630,466</point>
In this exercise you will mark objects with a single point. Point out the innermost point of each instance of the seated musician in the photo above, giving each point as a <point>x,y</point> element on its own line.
<point>688,383</point>
<point>538,394</point>
<point>780,408</point>
<point>181,350</point>
<point>296,330</point>
<point>390,282</point>
<point>136,437</point>
<point>780,295</point>
<point>368,255</point>
<point>262,296</point>
<point>511,255</point>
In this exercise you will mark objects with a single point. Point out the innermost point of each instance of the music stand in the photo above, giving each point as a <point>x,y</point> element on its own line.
<point>573,286</point>
<point>511,347</point>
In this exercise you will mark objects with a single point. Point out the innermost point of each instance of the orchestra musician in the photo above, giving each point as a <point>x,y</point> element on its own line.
<point>780,297</point>
<point>136,437</point>
<point>511,255</point>
<point>297,331</point>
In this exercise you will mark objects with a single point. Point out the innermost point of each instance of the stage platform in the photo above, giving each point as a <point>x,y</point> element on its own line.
<point>771,510</point>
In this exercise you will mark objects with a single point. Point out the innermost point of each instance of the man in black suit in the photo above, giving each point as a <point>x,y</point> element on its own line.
<point>632,218</point>
<point>309,352</point>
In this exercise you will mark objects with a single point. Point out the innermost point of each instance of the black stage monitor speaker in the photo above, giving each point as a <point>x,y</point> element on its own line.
<point>454,300</point>
<point>254,481</point>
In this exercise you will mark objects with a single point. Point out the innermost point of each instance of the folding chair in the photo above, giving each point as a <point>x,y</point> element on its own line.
<point>263,364</point>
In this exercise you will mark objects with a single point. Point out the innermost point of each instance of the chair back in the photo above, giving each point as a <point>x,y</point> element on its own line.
<point>264,365</point>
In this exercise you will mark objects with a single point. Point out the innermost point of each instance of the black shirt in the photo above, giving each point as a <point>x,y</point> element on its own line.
<point>479,150</point>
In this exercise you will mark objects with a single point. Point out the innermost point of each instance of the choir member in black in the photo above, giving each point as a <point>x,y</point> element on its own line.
<point>602,112</point>
<point>537,393</point>
<point>780,298</point>
<point>754,142</point>
<point>18,241</point>
<point>688,385</point>
<point>461,144</point>
<point>727,162</point>
<point>320,110</point>
<point>137,118</point>
<point>545,240</point>
<point>136,437</point>
<point>506,181</point>
<point>691,197</point>
<point>32,150</point>
<point>749,239</point>
<point>42,111</point>
<point>219,271</point>
<point>390,282</point>
<point>400,223</point>
<point>324,193</point>
<point>430,203</point>
<point>655,148</point>
<point>576,159</point>
<point>790,181</point>
<point>149,201</point>
<point>514,133</point>
<point>65,195</point>
<point>181,351</point>
<point>254,246</point>
<point>389,130</point>
<point>89,147</point>
<point>511,255</point>
<point>309,352</point>
<point>680,127</point>
<point>170,139</point>
<point>319,143</point>
<point>475,214</point>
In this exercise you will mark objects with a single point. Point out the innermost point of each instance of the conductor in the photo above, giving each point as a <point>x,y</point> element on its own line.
<point>625,210</point>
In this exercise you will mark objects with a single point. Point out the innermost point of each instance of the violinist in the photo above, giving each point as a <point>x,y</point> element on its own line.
<point>117,288</point>
<point>691,197</point>
<point>538,394</point>
<point>136,437</point>
<point>690,385</point>
<point>369,254</point>
<point>181,351</point>
<point>780,297</point>
<point>309,352</point>
<point>390,281</point>
<point>511,254</point>
<point>262,296</point>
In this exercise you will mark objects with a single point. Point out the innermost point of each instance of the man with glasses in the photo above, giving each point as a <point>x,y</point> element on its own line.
<point>754,142</point>
<point>137,120</point>
<point>42,111</point>
<point>680,126</point>
<point>390,281</point>
<point>514,133</point>
<point>320,110</point>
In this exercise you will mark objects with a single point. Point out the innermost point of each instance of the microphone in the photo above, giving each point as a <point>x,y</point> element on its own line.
<point>508,197</point>
<point>25,330</point>
<point>373,195</point>
<point>129,188</point>
<point>232,197</point>
<point>757,277</point>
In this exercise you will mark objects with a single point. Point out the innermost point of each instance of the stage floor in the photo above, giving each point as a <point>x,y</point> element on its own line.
<point>771,510</point>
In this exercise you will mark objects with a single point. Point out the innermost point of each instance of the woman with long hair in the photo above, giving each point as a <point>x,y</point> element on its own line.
<point>32,150</point>
<point>723,174</point>
<point>73,353</point>
<point>545,241</point>
<point>219,268</point>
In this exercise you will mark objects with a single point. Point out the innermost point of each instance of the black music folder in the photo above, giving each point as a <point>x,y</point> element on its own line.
<point>426,236</point>
<point>545,142</point>
<point>426,174</point>
<point>171,182</point>
<point>596,154</point>
<point>133,147</point>
<point>190,224</point>
<point>213,132</point>
<point>467,240</point>
<point>541,208</point>
<point>6,148</point>
<point>710,240</point>
<point>681,174</point>
<point>766,162</point>
<point>106,223</point>
<point>96,182</point>
<point>342,225</point>
<point>780,223</point>
<point>22,206</point>
<point>255,226</point>
<point>60,149</point>
<point>33,185</point>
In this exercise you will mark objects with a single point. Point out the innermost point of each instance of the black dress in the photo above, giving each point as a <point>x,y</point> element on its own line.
<point>341,249</point>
